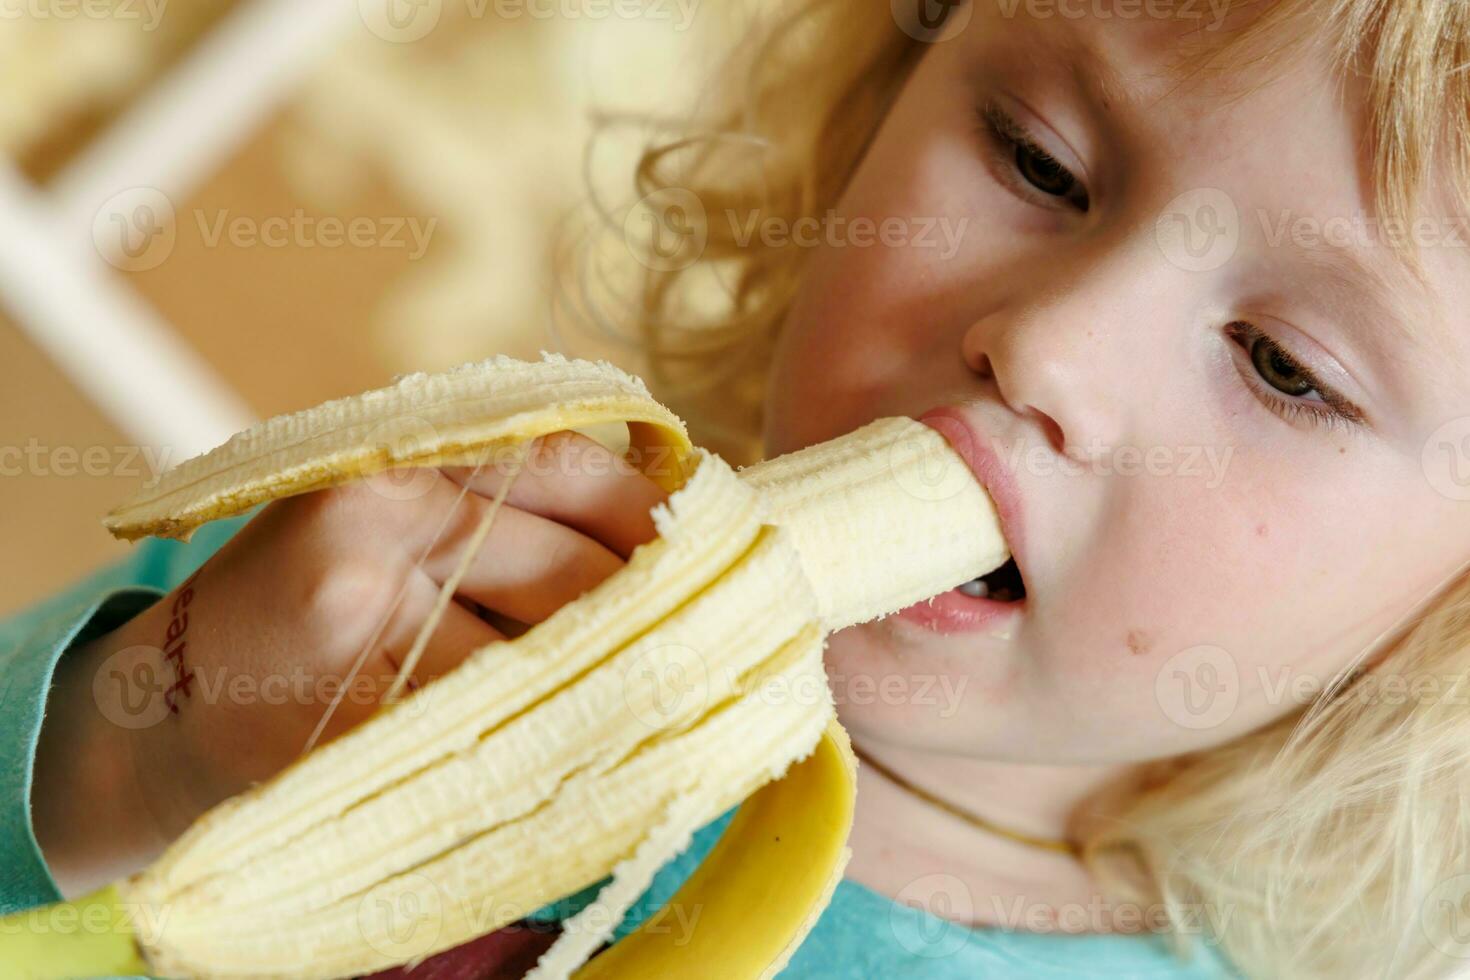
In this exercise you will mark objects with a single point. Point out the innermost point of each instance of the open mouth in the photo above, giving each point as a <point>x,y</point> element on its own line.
<point>1002,585</point>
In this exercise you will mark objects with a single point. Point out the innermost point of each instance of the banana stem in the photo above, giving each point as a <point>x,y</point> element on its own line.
<point>93,936</point>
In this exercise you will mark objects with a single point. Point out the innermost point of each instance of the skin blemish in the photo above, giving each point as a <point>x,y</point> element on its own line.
<point>1260,530</point>
<point>1138,642</point>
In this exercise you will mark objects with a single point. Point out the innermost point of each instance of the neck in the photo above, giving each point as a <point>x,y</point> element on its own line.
<point>907,848</point>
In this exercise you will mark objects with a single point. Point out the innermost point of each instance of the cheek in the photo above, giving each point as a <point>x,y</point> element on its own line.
<point>1197,614</point>
<point>869,319</point>
<point>819,376</point>
<point>845,345</point>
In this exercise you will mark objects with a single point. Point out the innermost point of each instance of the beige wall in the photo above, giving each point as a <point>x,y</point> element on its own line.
<point>479,128</point>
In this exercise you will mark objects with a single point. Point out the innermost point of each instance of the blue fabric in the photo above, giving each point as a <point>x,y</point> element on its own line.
<point>865,934</point>
<point>861,933</point>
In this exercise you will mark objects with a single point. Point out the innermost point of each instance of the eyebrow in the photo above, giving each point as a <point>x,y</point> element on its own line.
<point>1091,69</point>
<point>1392,293</point>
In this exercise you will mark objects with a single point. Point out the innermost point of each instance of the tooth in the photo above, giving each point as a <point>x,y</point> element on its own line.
<point>976,587</point>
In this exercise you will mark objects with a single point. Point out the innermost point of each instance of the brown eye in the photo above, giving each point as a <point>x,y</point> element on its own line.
<point>1043,172</point>
<point>1019,157</point>
<point>1278,370</point>
<point>1309,400</point>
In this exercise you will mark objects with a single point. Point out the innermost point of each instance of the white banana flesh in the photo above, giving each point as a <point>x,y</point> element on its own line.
<point>547,762</point>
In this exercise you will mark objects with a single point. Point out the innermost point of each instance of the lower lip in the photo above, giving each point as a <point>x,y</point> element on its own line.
<point>955,612</point>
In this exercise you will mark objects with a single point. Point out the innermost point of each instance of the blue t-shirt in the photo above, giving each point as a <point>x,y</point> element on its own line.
<point>861,933</point>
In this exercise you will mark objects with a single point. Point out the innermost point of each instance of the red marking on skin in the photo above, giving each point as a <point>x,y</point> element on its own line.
<point>180,684</point>
<point>1260,530</point>
<point>1138,642</point>
<point>174,644</point>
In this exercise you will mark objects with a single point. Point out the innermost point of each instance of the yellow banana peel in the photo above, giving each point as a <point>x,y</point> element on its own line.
<point>550,761</point>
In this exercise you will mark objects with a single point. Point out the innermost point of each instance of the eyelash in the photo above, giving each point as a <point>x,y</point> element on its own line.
<point>1004,136</point>
<point>1335,411</point>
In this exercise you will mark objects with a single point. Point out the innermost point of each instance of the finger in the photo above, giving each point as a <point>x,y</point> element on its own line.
<point>576,481</point>
<point>457,634</point>
<point>509,628</point>
<point>527,567</point>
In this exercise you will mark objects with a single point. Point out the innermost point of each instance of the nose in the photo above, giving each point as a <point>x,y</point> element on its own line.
<point>1067,356</point>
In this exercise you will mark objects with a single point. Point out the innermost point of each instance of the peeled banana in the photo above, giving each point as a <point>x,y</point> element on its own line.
<point>592,745</point>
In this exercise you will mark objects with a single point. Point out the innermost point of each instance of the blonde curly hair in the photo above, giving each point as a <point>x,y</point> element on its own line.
<point>1336,835</point>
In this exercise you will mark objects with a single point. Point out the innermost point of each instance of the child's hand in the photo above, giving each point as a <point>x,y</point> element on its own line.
<point>223,681</point>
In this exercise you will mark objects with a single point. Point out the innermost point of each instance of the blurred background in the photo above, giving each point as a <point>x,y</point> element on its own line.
<point>215,211</point>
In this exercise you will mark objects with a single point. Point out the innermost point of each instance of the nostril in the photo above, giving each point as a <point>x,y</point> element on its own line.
<point>1052,429</point>
<point>982,366</point>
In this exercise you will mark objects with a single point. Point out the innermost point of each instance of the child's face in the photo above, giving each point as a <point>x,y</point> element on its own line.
<point>1206,542</point>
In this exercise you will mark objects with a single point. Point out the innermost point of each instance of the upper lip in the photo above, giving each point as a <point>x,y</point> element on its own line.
<point>973,444</point>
